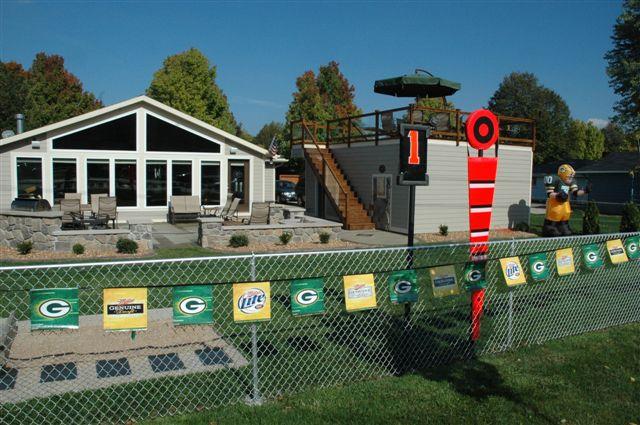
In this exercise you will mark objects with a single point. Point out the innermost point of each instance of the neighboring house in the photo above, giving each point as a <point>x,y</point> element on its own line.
<point>140,151</point>
<point>614,180</point>
<point>362,169</point>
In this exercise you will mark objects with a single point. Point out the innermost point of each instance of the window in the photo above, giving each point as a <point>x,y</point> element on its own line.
<point>165,137</point>
<point>97,177</point>
<point>210,183</point>
<point>156,183</point>
<point>119,134</point>
<point>64,178</point>
<point>29,172</point>
<point>181,178</point>
<point>126,183</point>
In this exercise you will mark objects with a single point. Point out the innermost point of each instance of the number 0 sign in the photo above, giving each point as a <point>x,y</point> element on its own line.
<point>413,155</point>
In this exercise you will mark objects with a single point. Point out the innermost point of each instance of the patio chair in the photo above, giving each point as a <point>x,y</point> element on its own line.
<point>184,207</point>
<point>388,126</point>
<point>107,209</point>
<point>440,121</point>
<point>259,214</point>
<point>232,213</point>
<point>71,213</point>
<point>220,211</point>
<point>73,195</point>
<point>94,202</point>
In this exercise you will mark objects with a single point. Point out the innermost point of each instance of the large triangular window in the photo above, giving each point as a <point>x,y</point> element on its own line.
<point>165,137</point>
<point>115,135</point>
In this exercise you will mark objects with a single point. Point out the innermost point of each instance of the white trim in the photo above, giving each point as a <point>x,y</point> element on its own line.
<point>482,185</point>
<point>480,209</point>
<point>431,141</point>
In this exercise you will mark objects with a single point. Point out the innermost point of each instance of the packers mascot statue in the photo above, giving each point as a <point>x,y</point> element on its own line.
<point>559,190</point>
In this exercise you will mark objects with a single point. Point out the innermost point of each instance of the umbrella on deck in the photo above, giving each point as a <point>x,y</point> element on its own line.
<point>419,85</point>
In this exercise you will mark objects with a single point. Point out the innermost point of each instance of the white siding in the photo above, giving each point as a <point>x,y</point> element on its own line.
<point>257,180</point>
<point>269,184</point>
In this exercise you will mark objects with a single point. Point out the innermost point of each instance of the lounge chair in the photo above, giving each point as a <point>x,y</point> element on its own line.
<point>107,209</point>
<point>184,208</point>
<point>71,213</point>
<point>259,214</point>
<point>220,211</point>
<point>73,195</point>
<point>94,202</point>
<point>232,213</point>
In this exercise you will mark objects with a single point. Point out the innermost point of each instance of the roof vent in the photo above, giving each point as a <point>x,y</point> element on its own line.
<point>19,123</point>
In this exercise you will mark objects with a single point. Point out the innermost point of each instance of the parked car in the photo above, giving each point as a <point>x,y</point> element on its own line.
<point>286,192</point>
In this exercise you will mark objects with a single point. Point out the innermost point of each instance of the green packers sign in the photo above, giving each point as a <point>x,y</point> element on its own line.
<point>474,276</point>
<point>632,246</point>
<point>54,308</point>
<point>192,305</point>
<point>403,287</point>
<point>307,297</point>
<point>591,257</point>
<point>539,267</point>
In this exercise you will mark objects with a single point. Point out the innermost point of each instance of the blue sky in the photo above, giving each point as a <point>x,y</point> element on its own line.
<point>260,48</point>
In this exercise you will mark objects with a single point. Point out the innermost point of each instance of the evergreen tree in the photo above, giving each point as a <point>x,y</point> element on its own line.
<point>624,66</point>
<point>630,221</point>
<point>267,133</point>
<point>615,140</point>
<point>591,220</point>
<point>584,141</point>
<point>13,91</point>
<point>187,82</point>
<point>53,93</point>
<point>521,95</point>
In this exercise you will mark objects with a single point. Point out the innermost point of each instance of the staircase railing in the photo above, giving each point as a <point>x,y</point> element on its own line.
<point>330,182</point>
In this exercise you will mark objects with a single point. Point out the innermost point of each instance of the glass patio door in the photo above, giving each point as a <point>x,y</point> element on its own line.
<point>239,182</point>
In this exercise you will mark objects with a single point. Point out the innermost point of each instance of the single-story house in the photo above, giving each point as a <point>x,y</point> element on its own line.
<point>140,151</point>
<point>614,180</point>
<point>359,165</point>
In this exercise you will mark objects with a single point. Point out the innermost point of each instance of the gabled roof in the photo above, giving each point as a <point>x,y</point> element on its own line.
<point>549,168</point>
<point>615,162</point>
<point>144,100</point>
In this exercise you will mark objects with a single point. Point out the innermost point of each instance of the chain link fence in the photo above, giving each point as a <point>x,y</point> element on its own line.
<point>87,375</point>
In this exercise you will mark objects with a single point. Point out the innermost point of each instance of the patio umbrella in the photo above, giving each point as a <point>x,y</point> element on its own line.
<point>418,85</point>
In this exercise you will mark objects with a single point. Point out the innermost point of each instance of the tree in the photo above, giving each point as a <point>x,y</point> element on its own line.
<point>630,220</point>
<point>13,91</point>
<point>53,93</point>
<point>624,66</point>
<point>615,140</point>
<point>307,103</point>
<point>521,95</point>
<point>267,133</point>
<point>584,141</point>
<point>591,220</point>
<point>187,82</point>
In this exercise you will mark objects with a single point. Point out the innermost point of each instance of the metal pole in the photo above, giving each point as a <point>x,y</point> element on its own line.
<point>410,237</point>
<point>256,398</point>
<point>510,311</point>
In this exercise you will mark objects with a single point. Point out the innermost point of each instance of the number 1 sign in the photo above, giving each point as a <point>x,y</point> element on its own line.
<point>413,155</point>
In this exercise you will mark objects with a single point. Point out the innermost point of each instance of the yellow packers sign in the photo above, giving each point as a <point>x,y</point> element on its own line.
<point>359,292</point>
<point>616,252</point>
<point>512,271</point>
<point>124,309</point>
<point>564,261</point>
<point>251,301</point>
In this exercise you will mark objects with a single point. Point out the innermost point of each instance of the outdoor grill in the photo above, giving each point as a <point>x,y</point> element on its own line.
<point>30,204</point>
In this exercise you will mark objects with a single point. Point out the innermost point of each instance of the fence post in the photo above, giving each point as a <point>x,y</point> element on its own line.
<point>510,312</point>
<point>256,398</point>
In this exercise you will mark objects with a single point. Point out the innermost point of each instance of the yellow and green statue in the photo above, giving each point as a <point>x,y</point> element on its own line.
<point>559,190</point>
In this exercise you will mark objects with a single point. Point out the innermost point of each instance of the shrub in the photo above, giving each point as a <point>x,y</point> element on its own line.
<point>285,237</point>
<point>24,247</point>
<point>630,221</point>
<point>324,237</point>
<point>78,249</point>
<point>238,240</point>
<point>444,229</point>
<point>591,220</point>
<point>521,227</point>
<point>126,246</point>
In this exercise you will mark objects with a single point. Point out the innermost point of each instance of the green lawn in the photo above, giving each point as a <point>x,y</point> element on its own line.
<point>588,379</point>
<point>608,223</point>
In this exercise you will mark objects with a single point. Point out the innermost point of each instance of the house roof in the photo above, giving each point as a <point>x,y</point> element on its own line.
<point>145,100</point>
<point>615,162</point>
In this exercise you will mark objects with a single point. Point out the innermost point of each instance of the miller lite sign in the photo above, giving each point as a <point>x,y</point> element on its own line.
<point>251,301</point>
<point>413,155</point>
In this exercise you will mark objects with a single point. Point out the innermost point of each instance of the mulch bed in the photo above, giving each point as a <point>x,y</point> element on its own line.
<point>10,254</point>
<point>291,246</point>
<point>464,236</point>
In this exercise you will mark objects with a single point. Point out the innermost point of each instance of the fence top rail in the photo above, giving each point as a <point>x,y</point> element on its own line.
<point>577,239</point>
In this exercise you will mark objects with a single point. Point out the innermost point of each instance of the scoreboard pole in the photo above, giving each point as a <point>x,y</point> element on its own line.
<point>410,234</point>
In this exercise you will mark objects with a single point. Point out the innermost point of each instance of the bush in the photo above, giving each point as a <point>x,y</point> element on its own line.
<point>78,249</point>
<point>238,240</point>
<point>444,229</point>
<point>24,247</point>
<point>521,227</point>
<point>285,237</point>
<point>591,220</point>
<point>630,221</point>
<point>324,237</point>
<point>126,246</point>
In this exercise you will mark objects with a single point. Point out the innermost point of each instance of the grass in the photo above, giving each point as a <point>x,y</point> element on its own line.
<point>591,378</point>
<point>608,223</point>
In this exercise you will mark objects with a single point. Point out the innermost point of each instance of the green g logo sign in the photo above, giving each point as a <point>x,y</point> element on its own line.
<point>474,276</point>
<point>192,305</point>
<point>54,309</point>
<point>307,297</point>
<point>538,266</point>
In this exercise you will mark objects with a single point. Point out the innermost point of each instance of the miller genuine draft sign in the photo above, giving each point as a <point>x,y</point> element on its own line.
<point>125,309</point>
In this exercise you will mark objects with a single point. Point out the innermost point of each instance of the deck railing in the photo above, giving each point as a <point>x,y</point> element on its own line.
<point>446,124</point>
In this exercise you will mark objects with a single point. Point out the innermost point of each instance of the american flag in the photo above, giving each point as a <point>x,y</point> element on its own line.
<point>273,147</point>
